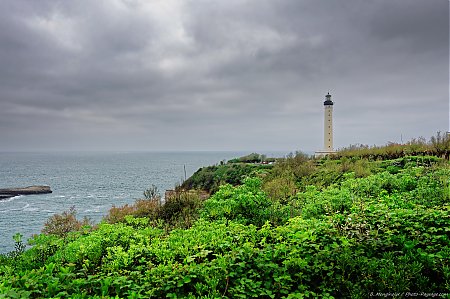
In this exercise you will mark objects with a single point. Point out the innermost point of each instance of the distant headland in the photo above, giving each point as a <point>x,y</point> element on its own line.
<point>11,192</point>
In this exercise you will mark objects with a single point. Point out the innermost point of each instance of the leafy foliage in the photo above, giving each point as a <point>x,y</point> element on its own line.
<point>210,178</point>
<point>246,204</point>
<point>311,228</point>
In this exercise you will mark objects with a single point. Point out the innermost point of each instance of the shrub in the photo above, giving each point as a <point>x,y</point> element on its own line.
<point>117,214</point>
<point>180,209</point>
<point>152,193</point>
<point>147,207</point>
<point>247,203</point>
<point>62,224</point>
<point>296,166</point>
<point>280,189</point>
<point>210,178</point>
<point>252,158</point>
<point>438,145</point>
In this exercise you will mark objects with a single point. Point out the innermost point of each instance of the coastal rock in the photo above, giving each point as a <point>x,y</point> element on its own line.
<point>11,192</point>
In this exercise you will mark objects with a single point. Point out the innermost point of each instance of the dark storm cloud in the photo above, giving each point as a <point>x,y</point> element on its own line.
<point>175,74</point>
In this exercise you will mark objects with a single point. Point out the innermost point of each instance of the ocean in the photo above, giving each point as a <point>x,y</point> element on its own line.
<point>91,181</point>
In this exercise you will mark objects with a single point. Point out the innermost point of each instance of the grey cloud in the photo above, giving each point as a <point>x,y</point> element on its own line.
<point>220,75</point>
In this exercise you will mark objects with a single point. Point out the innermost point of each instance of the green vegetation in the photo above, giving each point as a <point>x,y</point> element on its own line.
<point>339,227</point>
<point>210,178</point>
<point>438,145</point>
<point>252,158</point>
<point>179,210</point>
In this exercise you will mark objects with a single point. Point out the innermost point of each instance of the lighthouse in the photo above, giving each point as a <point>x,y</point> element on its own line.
<point>328,124</point>
<point>327,128</point>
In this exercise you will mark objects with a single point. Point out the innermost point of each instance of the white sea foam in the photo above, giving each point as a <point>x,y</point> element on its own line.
<point>10,199</point>
<point>32,209</point>
<point>22,208</point>
<point>92,211</point>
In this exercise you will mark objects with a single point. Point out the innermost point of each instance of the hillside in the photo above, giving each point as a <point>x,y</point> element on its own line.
<point>341,227</point>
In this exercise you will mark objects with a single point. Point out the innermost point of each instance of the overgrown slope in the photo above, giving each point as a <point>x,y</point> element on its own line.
<point>336,229</point>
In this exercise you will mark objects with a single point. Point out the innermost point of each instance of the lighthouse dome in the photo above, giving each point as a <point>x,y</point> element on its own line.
<point>328,101</point>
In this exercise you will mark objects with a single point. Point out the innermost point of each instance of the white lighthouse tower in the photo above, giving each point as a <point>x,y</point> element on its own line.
<point>328,124</point>
<point>327,128</point>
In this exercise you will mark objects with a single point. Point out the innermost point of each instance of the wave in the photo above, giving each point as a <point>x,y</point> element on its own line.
<point>92,211</point>
<point>22,208</point>
<point>10,199</point>
<point>31,209</point>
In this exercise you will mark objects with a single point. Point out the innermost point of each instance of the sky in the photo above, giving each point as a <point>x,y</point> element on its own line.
<point>235,75</point>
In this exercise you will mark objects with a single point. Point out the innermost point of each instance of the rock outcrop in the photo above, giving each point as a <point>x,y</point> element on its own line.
<point>11,192</point>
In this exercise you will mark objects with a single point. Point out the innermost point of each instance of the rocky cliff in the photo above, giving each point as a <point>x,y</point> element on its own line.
<point>11,192</point>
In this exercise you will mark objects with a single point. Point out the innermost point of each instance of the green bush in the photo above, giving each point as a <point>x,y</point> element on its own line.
<point>247,203</point>
<point>212,177</point>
